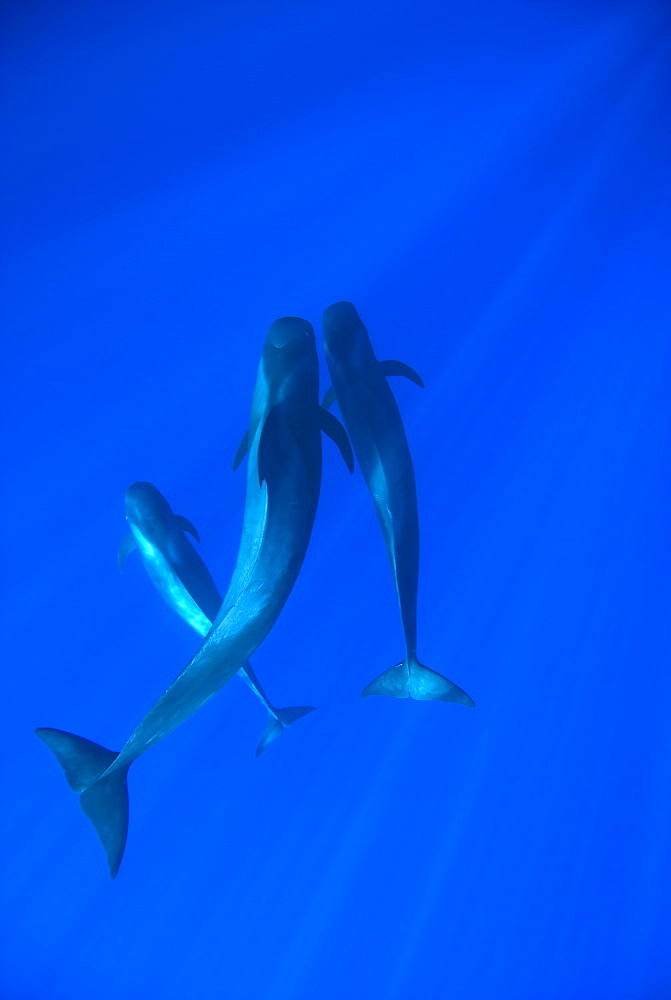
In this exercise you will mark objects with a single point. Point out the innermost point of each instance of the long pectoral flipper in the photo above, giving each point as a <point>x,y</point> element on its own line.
<point>127,545</point>
<point>332,427</point>
<point>400,368</point>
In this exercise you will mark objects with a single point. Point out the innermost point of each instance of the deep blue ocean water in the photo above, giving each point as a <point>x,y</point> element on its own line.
<point>489,184</point>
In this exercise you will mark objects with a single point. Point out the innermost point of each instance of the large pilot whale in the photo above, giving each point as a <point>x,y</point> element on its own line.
<point>185,584</point>
<point>283,482</point>
<point>373,422</point>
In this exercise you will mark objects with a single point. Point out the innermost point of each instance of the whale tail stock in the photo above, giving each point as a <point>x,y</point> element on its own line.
<point>278,722</point>
<point>103,797</point>
<point>411,679</point>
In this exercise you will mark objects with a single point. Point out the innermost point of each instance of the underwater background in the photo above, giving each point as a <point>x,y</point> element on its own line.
<point>489,184</point>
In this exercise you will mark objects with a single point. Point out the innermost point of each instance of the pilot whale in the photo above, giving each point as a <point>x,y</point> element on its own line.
<point>283,483</point>
<point>184,582</point>
<point>375,428</point>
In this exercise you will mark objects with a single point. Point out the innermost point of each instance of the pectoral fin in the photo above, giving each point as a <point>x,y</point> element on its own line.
<point>398,368</point>
<point>335,430</point>
<point>243,447</point>
<point>128,543</point>
<point>268,454</point>
<point>329,398</point>
<point>185,525</point>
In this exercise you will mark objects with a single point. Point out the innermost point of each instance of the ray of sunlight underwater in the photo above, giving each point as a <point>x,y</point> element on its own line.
<point>208,210</point>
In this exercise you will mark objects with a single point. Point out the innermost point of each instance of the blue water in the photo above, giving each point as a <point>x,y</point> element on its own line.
<point>489,184</point>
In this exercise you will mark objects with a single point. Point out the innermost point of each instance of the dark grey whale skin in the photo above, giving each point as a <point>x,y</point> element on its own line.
<point>375,428</point>
<point>184,582</point>
<point>174,567</point>
<point>283,483</point>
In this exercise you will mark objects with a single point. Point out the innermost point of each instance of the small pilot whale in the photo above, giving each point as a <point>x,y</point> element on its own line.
<point>373,423</point>
<point>184,582</point>
<point>283,483</point>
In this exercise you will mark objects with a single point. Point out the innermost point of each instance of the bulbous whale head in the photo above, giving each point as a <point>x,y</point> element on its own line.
<point>340,316</point>
<point>344,333</point>
<point>289,331</point>
<point>146,506</point>
<point>290,350</point>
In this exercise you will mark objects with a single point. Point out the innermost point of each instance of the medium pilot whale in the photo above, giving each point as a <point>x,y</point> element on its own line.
<point>184,582</point>
<point>373,422</point>
<point>283,482</point>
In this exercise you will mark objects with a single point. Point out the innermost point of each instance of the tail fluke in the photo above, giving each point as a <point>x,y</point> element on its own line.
<point>413,680</point>
<point>278,722</point>
<point>106,805</point>
<point>82,761</point>
<point>103,799</point>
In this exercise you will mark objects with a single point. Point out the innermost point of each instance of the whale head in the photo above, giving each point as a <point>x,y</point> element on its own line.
<point>147,509</point>
<point>289,331</point>
<point>289,353</point>
<point>344,333</point>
